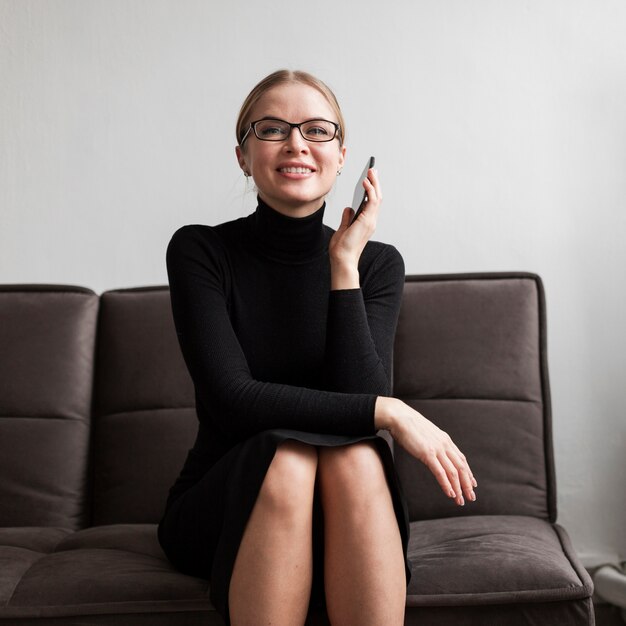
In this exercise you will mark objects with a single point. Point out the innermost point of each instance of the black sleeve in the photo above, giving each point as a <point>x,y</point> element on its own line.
<point>197,267</point>
<point>362,325</point>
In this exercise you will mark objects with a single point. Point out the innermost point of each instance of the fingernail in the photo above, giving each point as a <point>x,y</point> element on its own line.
<point>472,496</point>
<point>451,493</point>
<point>474,483</point>
<point>461,501</point>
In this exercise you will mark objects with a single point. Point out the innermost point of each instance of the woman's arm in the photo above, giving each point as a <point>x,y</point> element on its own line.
<point>417,435</point>
<point>364,302</point>
<point>362,325</point>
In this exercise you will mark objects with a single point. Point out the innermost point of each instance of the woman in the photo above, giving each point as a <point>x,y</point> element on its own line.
<point>286,326</point>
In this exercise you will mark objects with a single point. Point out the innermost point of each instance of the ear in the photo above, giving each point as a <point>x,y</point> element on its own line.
<point>242,160</point>
<point>342,157</point>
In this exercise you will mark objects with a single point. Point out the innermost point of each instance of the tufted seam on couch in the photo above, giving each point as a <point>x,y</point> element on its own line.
<point>152,409</point>
<point>41,554</point>
<point>412,398</point>
<point>104,608</point>
<point>61,418</point>
<point>43,288</point>
<point>531,596</point>
<point>11,595</point>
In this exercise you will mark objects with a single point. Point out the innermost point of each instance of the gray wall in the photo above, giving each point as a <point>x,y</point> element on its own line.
<point>499,128</point>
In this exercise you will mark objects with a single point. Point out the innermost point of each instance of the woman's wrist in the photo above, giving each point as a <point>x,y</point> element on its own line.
<point>344,276</point>
<point>385,413</point>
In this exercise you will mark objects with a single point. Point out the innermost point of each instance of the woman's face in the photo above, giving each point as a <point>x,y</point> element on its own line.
<point>271,163</point>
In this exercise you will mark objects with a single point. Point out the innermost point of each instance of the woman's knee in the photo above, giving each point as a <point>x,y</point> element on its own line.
<point>357,470</point>
<point>289,483</point>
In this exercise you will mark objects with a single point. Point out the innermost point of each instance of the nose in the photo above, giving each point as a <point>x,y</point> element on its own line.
<point>296,142</point>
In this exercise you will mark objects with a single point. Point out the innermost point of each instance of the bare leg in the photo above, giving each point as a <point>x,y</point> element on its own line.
<point>365,581</point>
<point>271,581</point>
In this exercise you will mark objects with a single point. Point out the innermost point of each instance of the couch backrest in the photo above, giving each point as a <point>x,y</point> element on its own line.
<point>47,339</point>
<point>470,354</point>
<point>144,415</point>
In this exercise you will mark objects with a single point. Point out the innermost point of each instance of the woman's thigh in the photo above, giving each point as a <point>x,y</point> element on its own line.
<point>216,509</point>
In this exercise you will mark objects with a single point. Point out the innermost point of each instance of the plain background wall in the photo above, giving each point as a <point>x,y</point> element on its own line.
<point>499,127</point>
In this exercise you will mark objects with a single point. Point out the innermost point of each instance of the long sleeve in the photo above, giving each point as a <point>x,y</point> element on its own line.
<point>361,327</point>
<point>240,405</point>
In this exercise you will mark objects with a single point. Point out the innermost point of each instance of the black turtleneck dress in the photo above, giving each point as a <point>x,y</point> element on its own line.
<point>274,355</point>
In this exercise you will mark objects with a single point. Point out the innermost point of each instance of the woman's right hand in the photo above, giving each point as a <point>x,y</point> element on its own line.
<point>346,245</point>
<point>428,443</point>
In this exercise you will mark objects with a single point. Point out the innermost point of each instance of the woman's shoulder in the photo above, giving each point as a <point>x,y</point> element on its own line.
<point>206,231</point>
<point>204,237</point>
<point>378,255</point>
<point>194,239</point>
<point>201,245</point>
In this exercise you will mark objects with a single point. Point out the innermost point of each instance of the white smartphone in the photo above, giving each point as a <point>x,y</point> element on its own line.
<point>360,195</point>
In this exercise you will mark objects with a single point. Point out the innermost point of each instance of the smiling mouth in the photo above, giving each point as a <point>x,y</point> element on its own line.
<point>295,170</point>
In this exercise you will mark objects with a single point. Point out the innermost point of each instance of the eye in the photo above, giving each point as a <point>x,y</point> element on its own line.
<point>271,129</point>
<point>318,130</point>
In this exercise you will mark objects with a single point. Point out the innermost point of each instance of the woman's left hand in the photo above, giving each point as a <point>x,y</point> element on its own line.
<point>347,244</point>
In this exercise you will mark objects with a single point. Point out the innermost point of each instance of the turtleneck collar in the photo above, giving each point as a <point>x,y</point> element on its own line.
<point>288,239</point>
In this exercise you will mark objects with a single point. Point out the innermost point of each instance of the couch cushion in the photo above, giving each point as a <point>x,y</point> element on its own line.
<point>501,570</point>
<point>20,548</point>
<point>494,563</point>
<point>47,334</point>
<point>470,355</point>
<point>507,430</point>
<point>109,570</point>
<point>145,419</point>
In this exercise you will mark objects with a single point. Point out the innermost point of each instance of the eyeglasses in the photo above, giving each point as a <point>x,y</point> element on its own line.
<point>274,129</point>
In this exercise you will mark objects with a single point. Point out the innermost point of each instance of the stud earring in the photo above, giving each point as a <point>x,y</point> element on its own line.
<point>338,172</point>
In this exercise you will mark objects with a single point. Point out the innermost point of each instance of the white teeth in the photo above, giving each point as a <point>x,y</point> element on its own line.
<point>296,170</point>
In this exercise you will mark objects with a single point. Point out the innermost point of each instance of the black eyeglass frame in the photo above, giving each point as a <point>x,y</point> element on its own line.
<point>252,127</point>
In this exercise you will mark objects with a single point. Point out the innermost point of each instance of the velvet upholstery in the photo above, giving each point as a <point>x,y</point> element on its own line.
<point>97,414</point>
<point>470,356</point>
<point>144,406</point>
<point>47,340</point>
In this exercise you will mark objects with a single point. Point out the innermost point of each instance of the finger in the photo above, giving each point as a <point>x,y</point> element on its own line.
<point>464,459</point>
<point>370,190</point>
<point>372,206</point>
<point>346,218</point>
<point>464,475</point>
<point>375,181</point>
<point>454,478</point>
<point>440,474</point>
<point>466,466</point>
<point>373,201</point>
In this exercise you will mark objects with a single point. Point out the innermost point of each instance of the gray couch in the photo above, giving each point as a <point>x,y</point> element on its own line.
<point>97,413</point>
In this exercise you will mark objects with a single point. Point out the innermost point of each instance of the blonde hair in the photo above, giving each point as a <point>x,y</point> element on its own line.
<point>281,77</point>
